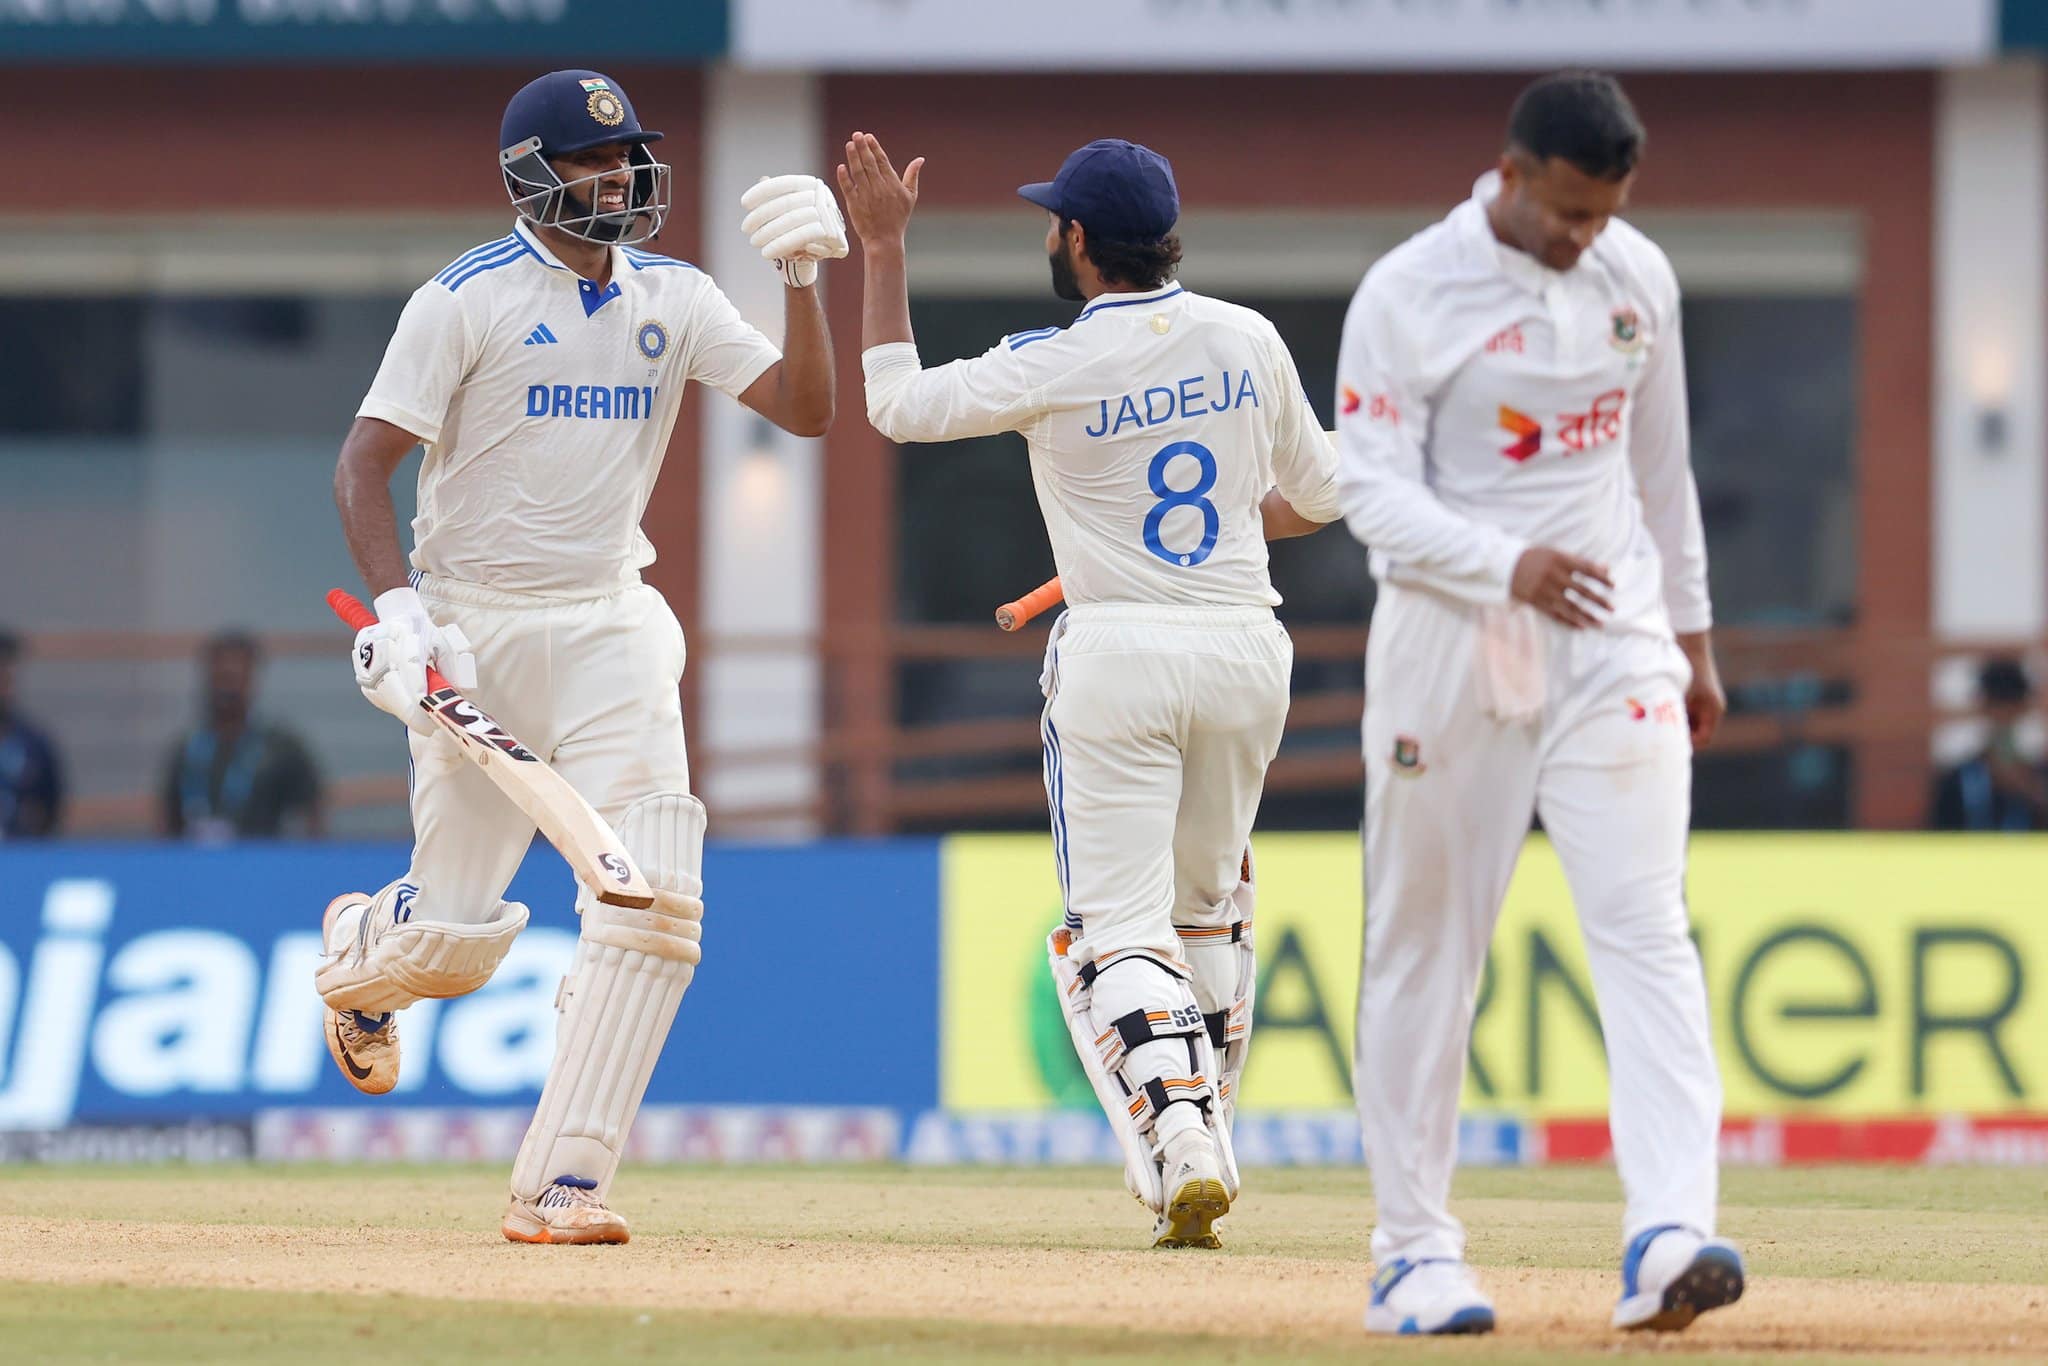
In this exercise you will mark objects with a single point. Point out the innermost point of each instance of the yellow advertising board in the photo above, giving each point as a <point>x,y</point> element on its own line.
<point>1849,975</point>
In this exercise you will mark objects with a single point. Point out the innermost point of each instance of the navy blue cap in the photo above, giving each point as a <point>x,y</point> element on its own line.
<point>1119,191</point>
<point>570,111</point>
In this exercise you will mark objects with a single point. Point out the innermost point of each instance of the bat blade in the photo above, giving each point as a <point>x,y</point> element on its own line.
<point>584,839</point>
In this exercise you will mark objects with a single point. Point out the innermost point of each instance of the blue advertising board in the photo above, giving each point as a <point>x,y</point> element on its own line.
<point>162,983</point>
<point>179,31</point>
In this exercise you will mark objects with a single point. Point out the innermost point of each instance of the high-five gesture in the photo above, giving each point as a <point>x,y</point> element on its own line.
<point>877,199</point>
<point>879,204</point>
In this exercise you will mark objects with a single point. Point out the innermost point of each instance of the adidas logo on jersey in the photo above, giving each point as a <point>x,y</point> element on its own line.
<point>540,336</point>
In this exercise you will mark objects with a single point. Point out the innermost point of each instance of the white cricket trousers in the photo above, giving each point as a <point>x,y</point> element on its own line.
<point>1159,724</point>
<point>1448,794</point>
<point>589,685</point>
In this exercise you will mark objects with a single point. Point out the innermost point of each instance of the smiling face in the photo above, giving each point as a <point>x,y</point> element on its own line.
<point>1552,210</point>
<point>611,192</point>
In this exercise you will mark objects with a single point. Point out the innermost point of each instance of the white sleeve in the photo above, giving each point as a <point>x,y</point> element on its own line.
<point>431,351</point>
<point>1382,415</point>
<point>725,350</point>
<point>1304,462</point>
<point>1660,453</point>
<point>989,393</point>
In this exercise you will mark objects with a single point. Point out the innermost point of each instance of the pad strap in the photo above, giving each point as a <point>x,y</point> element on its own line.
<point>1140,1027</point>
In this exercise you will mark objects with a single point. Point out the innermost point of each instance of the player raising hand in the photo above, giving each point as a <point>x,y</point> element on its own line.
<point>1159,423</point>
<point>542,372</point>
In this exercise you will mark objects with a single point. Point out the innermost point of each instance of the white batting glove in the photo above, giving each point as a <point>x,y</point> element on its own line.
<point>386,660</point>
<point>795,222</point>
<point>445,648</point>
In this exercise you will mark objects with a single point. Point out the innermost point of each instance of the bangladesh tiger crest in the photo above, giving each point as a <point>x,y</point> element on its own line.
<point>1627,336</point>
<point>1408,755</point>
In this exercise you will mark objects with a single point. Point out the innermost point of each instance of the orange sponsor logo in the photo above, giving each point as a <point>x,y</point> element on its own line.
<point>1528,433</point>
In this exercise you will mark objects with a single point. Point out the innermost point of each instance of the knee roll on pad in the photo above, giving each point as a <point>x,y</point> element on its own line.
<point>396,962</point>
<point>672,928</point>
<point>1140,1036</point>
<point>618,1002</point>
<point>665,835</point>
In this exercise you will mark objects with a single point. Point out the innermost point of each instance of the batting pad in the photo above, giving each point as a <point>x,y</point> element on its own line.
<point>618,1001</point>
<point>395,961</point>
<point>1137,1002</point>
<point>1224,971</point>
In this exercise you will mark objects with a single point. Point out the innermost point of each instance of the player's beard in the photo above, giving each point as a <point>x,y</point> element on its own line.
<point>1065,283</point>
<point>609,227</point>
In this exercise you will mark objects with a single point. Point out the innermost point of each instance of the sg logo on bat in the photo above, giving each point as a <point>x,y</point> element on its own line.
<point>466,716</point>
<point>616,866</point>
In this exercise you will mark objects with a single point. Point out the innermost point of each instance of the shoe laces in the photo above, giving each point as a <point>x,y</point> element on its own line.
<point>359,1028</point>
<point>560,1196</point>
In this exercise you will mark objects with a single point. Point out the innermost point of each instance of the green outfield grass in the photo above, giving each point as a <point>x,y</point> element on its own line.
<point>383,1264</point>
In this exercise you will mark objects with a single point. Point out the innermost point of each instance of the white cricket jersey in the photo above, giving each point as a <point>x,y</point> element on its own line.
<point>546,403</point>
<point>1156,422</point>
<point>1487,403</point>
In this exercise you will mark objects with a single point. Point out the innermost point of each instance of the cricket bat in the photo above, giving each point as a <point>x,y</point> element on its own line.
<point>1012,616</point>
<point>582,837</point>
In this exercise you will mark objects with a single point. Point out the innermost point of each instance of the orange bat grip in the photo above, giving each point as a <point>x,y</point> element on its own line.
<point>1012,616</point>
<point>356,616</point>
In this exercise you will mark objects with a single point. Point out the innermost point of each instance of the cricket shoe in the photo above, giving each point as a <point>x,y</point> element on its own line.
<point>1433,1295</point>
<point>1195,1194</point>
<point>364,1046</point>
<point>1672,1274</point>
<point>568,1211</point>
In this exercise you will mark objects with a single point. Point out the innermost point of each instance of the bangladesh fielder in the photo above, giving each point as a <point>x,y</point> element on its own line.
<point>1513,447</point>
<point>1159,424</point>
<point>542,372</point>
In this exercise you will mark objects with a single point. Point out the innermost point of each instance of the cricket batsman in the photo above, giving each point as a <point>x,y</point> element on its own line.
<point>1513,448</point>
<point>1169,438</point>
<point>542,372</point>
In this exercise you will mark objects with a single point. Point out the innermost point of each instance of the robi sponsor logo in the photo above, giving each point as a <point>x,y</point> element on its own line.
<point>1666,712</point>
<point>1382,408</point>
<point>1598,425</point>
<point>615,402</point>
<point>1526,430</point>
<point>96,1022</point>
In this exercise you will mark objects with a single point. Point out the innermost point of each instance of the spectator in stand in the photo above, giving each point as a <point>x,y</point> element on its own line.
<point>31,779</point>
<point>231,776</point>
<point>1997,788</point>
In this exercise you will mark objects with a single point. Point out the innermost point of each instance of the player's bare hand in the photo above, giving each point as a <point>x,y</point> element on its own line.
<point>878,201</point>
<point>1562,587</point>
<point>1705,702</point>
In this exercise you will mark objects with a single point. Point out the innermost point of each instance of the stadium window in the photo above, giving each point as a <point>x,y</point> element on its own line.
<point>75,368</point>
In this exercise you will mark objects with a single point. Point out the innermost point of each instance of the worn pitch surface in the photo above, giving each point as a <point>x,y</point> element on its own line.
<point>258,1264</point>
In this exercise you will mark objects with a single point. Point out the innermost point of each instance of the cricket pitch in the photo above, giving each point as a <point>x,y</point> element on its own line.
<point>983,1264</point>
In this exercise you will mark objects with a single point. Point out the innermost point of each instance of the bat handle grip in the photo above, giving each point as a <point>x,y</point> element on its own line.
<point>350,609</point>
<point>1012,616</point>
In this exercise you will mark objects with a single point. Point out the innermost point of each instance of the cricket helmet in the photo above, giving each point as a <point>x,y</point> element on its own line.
<point>565,112</point>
